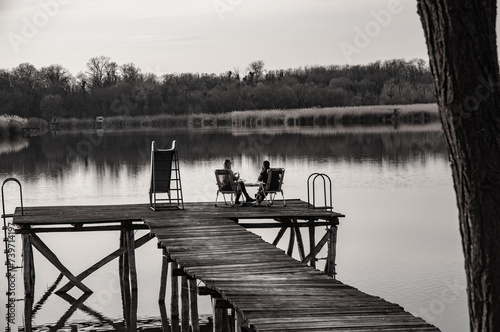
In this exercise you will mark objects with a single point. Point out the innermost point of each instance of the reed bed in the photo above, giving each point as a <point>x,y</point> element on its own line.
<point>11,126</point>
<point>355,115</point>
<point>331,116</point>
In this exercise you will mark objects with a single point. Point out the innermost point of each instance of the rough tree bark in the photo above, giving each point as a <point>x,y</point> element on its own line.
<point>461,41</point>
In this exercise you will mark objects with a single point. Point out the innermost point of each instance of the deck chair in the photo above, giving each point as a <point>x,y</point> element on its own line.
<point>226,185</point>
<point>273,185</point>
<point>165,178</point>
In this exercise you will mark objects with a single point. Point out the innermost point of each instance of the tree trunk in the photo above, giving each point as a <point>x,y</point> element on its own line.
<point>461,41</point>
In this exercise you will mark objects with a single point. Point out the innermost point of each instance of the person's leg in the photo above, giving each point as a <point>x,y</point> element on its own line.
<point>244,191</point>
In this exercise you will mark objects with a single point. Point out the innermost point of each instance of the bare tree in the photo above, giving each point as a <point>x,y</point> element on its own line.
<point>55,77</point>
<point>257,68</point>
<point>461,41</point>
<point>130,73</point>
<point>97,67</point>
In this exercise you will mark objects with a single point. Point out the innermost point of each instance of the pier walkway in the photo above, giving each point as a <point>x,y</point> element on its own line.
<point>265,288</point>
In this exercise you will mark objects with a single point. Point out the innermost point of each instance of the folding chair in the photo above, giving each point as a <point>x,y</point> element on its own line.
<point>225,185</point>
<point>273,185</point>
<point>165,178</point>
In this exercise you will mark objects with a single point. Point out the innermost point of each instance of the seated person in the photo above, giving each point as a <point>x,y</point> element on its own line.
<point>262,178</point>
<point>226,185</point>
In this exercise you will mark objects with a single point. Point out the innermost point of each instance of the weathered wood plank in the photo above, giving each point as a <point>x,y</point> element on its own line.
<point>268,290</point>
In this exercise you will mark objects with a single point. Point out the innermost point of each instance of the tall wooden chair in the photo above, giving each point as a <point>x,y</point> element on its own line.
<point>273,185</point>
<point>225,185</point>
<point>165,178</point>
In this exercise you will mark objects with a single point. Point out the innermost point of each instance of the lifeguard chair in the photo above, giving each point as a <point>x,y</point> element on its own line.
<point>165,178</point>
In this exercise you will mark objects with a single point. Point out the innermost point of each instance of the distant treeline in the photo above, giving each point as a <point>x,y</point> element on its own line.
<point>108,89</point>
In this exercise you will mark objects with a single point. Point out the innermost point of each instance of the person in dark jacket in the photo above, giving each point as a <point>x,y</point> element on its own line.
<point>262,178</point>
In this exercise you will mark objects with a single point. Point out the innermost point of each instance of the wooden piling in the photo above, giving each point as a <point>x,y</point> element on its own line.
<point>164,276</point>
<point>332,251</point>
<point>29,281</point>
<point>174,299</point>
<point>312,241</point>
<point>300,243</point>
<point>123,267</point>
<point>133,280</point>
<point>184,304</point>
<point>222,320</point>
<point>193,299</point>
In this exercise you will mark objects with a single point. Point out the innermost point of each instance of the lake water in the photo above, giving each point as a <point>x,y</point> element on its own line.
<point>399,240</point>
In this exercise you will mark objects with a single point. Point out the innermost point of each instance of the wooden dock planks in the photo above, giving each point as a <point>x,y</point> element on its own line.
<point>272,291</point>
<point>269,290</point>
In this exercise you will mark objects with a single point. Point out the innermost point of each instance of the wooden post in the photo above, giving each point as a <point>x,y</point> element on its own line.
<point>174,300</point>
<point>221,318</point>
<point>232,319</point>
<point>123,268</point>
<point>164,318</point>
<point>332,251</point>
<point>133,280</point>
<point>29,281</point>
<point>300,243</point>
<point>193,297</point>
<point>163,290</point>
<point>164,277</point>
<point>312,241</point>
<point>217,314</point>
<point>184,304</point>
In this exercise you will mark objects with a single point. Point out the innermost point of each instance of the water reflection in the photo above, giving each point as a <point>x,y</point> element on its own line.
<point>52,155</point>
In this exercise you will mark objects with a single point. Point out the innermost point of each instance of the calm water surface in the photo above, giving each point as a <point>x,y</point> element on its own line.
<point>399,239</point>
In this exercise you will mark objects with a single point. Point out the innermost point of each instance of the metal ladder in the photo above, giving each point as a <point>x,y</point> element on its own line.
<point>327,195</point>
<point>10,258</point>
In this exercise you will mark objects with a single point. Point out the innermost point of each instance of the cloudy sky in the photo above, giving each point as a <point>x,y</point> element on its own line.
<point>208,36</point>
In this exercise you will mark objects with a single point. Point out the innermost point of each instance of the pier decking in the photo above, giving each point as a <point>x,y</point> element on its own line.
<point>265,288</point>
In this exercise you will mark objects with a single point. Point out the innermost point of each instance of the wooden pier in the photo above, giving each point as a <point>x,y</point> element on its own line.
<point>254,285</point>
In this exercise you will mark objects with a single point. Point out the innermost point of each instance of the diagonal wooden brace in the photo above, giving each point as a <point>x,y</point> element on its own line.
<point>318,247</point>
<point>45,251</point>
<point>117,253</point>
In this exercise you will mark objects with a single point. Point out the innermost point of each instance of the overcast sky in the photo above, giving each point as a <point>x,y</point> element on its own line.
<point>208,36</point>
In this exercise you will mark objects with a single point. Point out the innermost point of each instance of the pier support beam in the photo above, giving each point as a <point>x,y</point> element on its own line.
<point>332,251</point>
<point>133,280</point>
<point>193,298</point>
<point>163,290</point>
<point>174,300</point>
<point>29,281</point>
<point>184,304</point>
<point>123,268</point>
<point>128,276</point>
<point>312,241</point>
<point>222,321</point>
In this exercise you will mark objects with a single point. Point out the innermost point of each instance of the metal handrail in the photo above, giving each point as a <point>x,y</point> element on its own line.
<point>10,267</point>
<point>324,177</point>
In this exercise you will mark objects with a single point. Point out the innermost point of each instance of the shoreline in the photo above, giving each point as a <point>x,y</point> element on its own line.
<point>352,116</point>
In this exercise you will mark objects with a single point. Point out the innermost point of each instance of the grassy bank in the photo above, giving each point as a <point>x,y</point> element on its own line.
<point>333,116</point>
